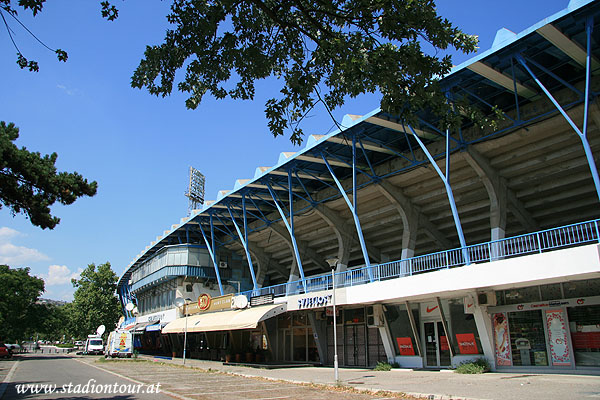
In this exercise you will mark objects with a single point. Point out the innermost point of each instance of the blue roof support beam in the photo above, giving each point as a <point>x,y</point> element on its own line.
<point>244,238</point>
<point>446,180</point>
<point>352,208</point>
<point>581,133</point>
<point>290,226</point>
<point>211,249</point>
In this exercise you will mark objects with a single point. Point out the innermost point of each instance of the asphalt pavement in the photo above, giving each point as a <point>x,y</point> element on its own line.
<point>61,376</point>
<point>444,384</point>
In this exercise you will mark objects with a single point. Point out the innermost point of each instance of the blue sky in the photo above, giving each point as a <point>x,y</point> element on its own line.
<point>139,147</point>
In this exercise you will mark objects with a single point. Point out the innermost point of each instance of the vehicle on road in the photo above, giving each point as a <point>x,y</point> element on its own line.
<point>5,351</point>
<point>119,344</point>
<point>94,345</point>
<point>14,348</point>
<point>79,343</point>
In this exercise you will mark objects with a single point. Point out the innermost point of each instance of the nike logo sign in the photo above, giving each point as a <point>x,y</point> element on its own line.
<point>431,309</point>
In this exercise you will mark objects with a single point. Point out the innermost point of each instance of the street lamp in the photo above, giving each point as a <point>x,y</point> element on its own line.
<point>180,302</point>
<point>333,265</point>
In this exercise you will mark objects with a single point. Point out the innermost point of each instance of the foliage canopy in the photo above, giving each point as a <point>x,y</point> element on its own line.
<point>19,293</point>
<point>322,52</point>
<point>94,300</point>
<point>30,184</point>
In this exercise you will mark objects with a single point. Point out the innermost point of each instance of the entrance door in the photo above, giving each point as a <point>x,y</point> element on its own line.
<point>437,352</point>
<point>355,346</point>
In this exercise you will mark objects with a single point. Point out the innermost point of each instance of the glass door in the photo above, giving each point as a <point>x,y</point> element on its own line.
<point>437,351</point>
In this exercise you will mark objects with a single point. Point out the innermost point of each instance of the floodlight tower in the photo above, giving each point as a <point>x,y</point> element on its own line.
<point>195,191</point>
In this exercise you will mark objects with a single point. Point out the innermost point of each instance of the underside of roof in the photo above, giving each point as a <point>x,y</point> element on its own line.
<point>534,154</point>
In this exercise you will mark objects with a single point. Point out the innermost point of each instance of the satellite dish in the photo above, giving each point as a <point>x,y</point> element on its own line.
<point>129,306</point>
<point>100,330</point>
<point>179,301</point>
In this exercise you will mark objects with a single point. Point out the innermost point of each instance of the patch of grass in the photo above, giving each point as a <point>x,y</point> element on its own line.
<point>383,366</point>
<point>65,346</point>
<point>478,366</point>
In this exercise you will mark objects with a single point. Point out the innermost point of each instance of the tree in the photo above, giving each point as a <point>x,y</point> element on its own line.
<point>19,293</point>
<point>7,8</point>
<point>95,302</point>
<point>321,50</point>
<point>30,184</point>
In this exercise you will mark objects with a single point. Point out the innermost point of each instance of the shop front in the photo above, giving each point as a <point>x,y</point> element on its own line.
<point>558,333</point>
<point>433,334</point>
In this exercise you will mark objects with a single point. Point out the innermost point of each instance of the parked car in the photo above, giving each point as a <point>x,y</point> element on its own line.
<point>78,343</point>
<point>14,348</point>
<point>5,351</point>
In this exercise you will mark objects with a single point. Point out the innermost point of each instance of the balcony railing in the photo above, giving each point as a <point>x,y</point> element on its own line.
<point>516,246</point>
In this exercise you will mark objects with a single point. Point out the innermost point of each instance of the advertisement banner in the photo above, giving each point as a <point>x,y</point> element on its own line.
<point>557,337</point>
<point>405,346</point>
<point>502,339</point>
<point>467,343</point>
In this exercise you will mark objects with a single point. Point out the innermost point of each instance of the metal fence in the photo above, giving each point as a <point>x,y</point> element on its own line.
<point>516,246</point>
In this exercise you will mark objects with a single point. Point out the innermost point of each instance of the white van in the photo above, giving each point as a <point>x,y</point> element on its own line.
<point>93,345</point>
<point>119,344</point>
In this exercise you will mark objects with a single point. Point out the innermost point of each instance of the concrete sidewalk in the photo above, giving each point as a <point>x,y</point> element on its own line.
<point>429,384</point>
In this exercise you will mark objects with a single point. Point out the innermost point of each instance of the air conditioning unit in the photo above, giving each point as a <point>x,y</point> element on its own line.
<point>375,316</point>
<point>222,264</point>
<point>486,299</point>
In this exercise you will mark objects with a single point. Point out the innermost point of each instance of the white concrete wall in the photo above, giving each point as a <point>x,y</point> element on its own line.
<point>555,266</point>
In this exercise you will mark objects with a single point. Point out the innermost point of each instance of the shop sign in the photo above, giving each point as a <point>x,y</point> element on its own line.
<point>314,302</point>
<point>502,339</point>
<point>466,343</point>
<point>206,303</point>
<point>557,337</point>
<point>405,346</point>
<point>546,304</point>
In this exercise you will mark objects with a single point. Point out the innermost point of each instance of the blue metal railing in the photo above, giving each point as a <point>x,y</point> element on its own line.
<point>538,242</point>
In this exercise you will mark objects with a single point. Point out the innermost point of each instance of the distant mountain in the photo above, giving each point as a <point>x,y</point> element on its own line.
<point>52,302</point>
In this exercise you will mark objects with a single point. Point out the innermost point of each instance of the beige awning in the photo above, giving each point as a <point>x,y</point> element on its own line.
<point>225,320</point>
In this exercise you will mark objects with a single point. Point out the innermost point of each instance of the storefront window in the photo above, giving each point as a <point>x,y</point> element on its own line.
<point>401,330</point>
<point>585,334</point>
<point>527,338</point>
<point>522,295</point>
<point>354,316</point>
<point>551,292</point>
<point>463,329</point>
<point>589,287</point>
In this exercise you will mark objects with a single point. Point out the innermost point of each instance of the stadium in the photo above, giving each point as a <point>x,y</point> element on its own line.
<point>435,247</point>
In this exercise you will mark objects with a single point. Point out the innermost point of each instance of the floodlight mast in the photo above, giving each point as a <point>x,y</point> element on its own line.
<point>195,190</point>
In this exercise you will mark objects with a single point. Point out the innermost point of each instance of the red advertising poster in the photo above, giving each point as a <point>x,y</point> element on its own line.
<point>405,346</point>
<point>466,343</point>
<point>444,343</point>
<point>557,337</point>
<point>502,339</point>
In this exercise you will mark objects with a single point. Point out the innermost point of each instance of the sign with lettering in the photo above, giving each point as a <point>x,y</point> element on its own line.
<point>314,302</point>
<point>466,343</point>
<point>206,303</point>
<point>405,346</point>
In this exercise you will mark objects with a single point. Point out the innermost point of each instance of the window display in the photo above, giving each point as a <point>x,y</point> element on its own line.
<point>527,338</point>
<point>584,323</point>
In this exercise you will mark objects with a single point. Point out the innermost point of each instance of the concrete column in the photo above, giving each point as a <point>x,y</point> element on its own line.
<point>320,334</point>
<point>485,331</point>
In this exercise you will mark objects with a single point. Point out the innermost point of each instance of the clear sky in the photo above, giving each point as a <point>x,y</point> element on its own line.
<point>139,147</point>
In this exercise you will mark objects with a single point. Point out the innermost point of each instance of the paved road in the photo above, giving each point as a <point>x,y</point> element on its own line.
<point>57,376</point>
<point>72,373</point>
<point>200,384</point>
